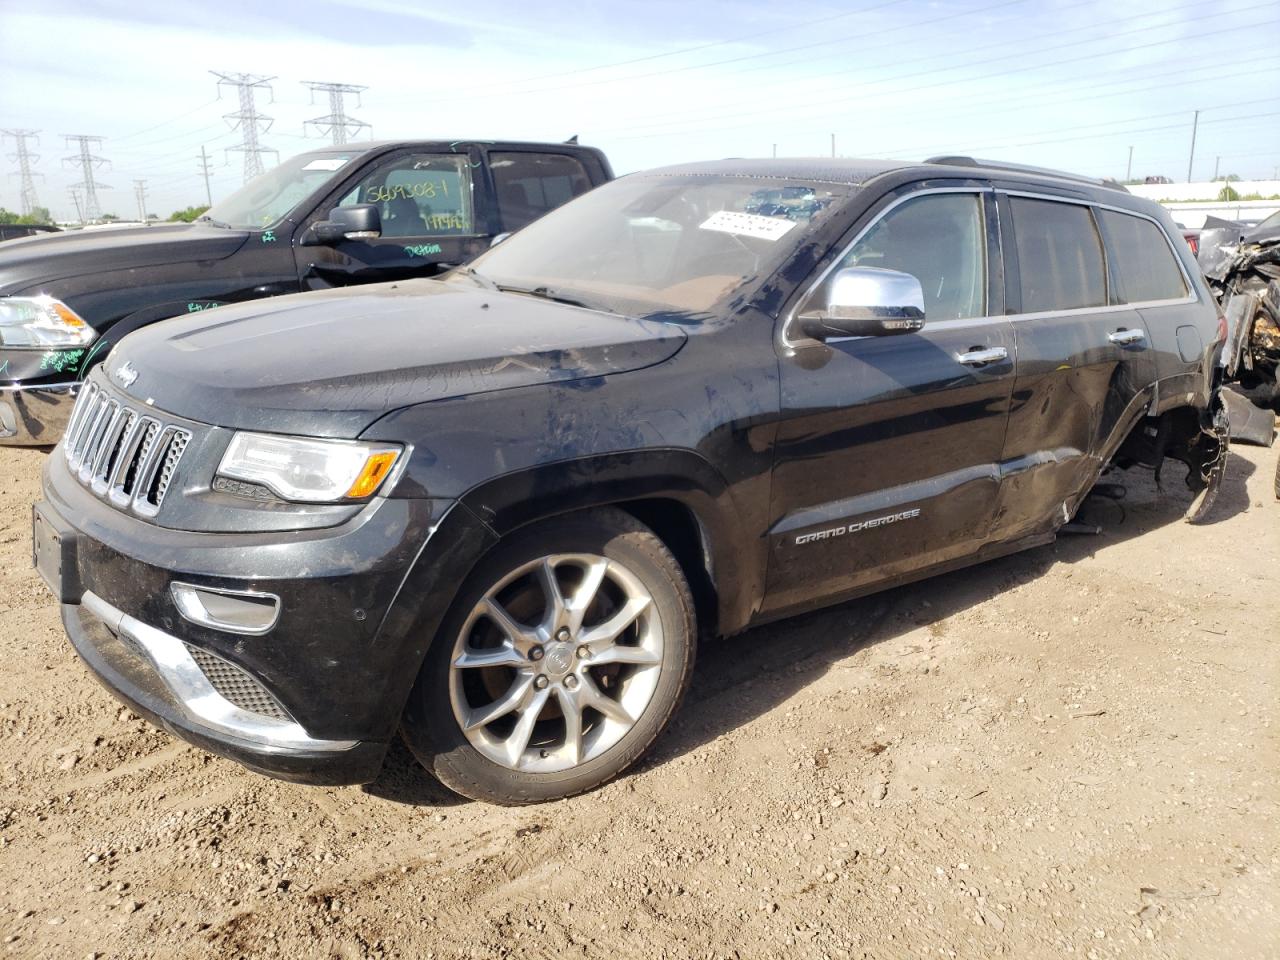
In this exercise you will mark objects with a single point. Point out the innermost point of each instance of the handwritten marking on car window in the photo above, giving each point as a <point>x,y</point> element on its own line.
<point>422,249</point>
<point>197,305</point>
<point>747,225</point>
<point>411,191</point>
<point>268,236</point>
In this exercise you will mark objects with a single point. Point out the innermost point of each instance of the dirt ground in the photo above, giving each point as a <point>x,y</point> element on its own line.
<point>1070,752</point>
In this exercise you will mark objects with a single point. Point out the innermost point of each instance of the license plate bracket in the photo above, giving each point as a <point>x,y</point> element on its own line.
<point>53,553</point>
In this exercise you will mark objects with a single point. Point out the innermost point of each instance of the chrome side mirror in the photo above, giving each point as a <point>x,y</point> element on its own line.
<point>866,302</point>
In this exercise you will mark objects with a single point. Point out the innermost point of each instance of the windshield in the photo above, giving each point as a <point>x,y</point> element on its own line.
<point>649,244</point>
<point>267,199</point>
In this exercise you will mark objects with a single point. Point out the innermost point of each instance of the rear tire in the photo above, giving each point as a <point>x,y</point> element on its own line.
<point>565,655</point>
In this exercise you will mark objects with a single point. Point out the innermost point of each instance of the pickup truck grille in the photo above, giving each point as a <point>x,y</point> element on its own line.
<point>121,454</point>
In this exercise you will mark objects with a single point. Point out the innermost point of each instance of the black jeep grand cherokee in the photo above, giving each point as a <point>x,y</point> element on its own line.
<point>495,512</point>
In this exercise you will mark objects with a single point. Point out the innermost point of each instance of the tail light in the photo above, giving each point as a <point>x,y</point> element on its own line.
<point>1193,242</point>
<point>1222,329</point>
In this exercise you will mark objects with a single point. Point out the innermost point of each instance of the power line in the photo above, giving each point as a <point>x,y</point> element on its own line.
<point>88,185</point>
<point>248,120</point>
<point>337,124</point>
<point>25,159</point>
<point>789,100</point>
<point>862,95</point>
<point>163,123</point>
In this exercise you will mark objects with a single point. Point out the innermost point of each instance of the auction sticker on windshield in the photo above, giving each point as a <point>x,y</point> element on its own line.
<point>747,225</point>
<point>326,163</point>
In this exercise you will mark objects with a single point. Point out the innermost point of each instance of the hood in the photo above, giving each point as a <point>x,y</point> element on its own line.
<point>328,364</point>
<point>56,256</point>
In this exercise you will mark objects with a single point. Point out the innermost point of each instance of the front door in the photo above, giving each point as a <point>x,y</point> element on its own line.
<point>888,450</point>
<point>429,223</point>
<point>1085,366</point>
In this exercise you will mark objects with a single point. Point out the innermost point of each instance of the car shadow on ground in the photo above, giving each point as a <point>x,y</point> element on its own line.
<point>767,665</point>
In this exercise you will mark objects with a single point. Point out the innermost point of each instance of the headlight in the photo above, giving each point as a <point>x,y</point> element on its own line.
<point>41,322</point>
<point>309,471</point>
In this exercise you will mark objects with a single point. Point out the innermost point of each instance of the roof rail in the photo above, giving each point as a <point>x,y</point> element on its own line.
<point>963,161</point>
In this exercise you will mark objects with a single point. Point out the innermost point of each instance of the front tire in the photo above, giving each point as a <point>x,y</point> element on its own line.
<point>564,657</point>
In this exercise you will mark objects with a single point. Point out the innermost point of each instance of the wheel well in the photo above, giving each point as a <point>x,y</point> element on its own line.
<point>678,528</point>
<point>1175,434</point>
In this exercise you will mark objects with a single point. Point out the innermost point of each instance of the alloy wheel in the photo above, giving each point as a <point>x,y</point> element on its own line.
<point>556,663</point>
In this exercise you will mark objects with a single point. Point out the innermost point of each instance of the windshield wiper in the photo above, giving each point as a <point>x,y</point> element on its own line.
<point>478,277</point>
<point>544,293</point>
<point>209,220</point>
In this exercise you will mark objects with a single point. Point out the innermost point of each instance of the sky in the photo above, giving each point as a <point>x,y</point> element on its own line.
<point>1071,84</point>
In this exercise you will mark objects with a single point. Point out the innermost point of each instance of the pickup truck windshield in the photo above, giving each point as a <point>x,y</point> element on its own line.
<point>659,244</point>
<point>267,199</point>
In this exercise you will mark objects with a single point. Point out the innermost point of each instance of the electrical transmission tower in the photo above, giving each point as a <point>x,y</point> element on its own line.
<point>140,191</point>
<point>248,120</point>
<point>87,161</point>
<point>25,158</point>
<point>337,123</point>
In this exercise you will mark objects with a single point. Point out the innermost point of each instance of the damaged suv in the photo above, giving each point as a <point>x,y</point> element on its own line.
<point>495,512</point>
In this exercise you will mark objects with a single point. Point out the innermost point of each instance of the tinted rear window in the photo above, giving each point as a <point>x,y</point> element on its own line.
<point>1059,256</point>
<point>530,184</point>
<point>1143,266</point>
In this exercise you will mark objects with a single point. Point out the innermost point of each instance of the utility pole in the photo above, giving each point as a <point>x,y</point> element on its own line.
<point>140,191</point>
<point>1128,170</point>
<point>25,158</point>
<point>247,119</point>
<point>75,198</point>
<point>337,123</point>
<point>1216,162</point>
<point>833,145</point>
<point>775,150</point>
<point>87,161</point>
<point>204,171</point>
<point>1195,124</point>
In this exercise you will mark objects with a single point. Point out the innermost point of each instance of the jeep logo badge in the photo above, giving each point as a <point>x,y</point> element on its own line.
<point>126,373</point>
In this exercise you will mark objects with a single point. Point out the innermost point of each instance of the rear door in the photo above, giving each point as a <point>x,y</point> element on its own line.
<point>529,183</point>
<point>1085,371</point>
<point>887,454</point>
<point>428,206</point>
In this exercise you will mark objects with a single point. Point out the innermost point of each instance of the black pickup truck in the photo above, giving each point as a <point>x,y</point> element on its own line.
<point>358,213</point>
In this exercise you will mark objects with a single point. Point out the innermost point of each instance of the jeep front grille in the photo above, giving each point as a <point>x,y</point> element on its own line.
<point>123,455</point>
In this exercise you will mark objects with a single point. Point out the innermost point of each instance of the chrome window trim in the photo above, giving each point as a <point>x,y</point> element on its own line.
<point>1191,297</point>
<point>789,345</point>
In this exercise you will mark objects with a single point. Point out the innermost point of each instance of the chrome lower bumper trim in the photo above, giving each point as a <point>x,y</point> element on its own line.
<point>197,698</point>
<point>35,415</point>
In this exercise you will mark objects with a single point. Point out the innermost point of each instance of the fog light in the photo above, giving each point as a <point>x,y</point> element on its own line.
<point>235,611</point>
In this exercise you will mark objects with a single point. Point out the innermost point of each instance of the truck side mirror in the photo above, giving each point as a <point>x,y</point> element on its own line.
<point>866,302</point>
<point>360,221</point>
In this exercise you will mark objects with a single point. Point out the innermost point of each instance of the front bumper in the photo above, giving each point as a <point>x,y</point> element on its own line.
<point>358,605</point>
<point>153,673</point>
<point>35,415</point>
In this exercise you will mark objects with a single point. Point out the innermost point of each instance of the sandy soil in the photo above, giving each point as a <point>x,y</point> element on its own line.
<point>1071,752</point>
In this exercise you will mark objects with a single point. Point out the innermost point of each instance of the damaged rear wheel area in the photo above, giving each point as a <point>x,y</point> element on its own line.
<point>1196,438</point>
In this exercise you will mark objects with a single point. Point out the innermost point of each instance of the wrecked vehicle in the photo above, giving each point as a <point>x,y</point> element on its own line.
<point>332,217</point>
<point>1243,261</point>
<point>495,512</point>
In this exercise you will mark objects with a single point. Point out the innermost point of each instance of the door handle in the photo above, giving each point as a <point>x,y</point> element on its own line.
<point>978,358</point>
<point>1125,337</point>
